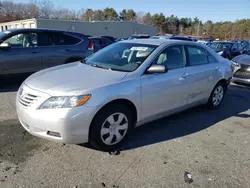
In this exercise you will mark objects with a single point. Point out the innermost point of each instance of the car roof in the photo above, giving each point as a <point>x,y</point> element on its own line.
<point>96,37</point>
<point>185,37</point>
<point>224,42</point>
<point>157,42</point>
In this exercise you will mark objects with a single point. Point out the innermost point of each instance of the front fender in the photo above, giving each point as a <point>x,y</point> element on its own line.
<point>128,89</point>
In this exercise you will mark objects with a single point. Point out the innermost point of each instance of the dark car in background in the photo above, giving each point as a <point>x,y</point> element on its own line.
<point>245,45</point>
<point>30,50</point>
<point>227,50</point>
<point>242,68</point>
<point>121,39</point>
<point>113,39</point>
<point>139,36</point>
<point>160,37</point>
<point>100,42</point>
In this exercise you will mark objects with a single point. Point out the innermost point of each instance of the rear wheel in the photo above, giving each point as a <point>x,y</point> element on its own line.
<point>110,127</point>
<point>217,95</point>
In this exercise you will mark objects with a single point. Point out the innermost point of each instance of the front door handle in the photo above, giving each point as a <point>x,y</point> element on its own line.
<point>68,50</point>
<point>34,52</point>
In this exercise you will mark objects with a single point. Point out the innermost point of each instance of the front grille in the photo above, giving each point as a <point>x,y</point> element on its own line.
<point>244,67</point>
<point>27,99</point>
<point>242,74</point>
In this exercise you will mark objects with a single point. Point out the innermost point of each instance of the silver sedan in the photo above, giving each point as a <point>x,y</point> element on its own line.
<point>102,98</point>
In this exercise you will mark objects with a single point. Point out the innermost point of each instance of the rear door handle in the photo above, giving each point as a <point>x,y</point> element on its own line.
<point>217,68</point>
<point>68,50</point>
<point>185,75</point>
<point>34,52</point>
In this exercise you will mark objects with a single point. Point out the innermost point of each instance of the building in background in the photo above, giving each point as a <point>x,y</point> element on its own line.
<point>95,28</point>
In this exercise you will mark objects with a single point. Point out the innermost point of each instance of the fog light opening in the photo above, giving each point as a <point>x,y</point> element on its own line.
<point>53,134</point>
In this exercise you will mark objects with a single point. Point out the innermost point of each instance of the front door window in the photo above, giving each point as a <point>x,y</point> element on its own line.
<point>23,40</point>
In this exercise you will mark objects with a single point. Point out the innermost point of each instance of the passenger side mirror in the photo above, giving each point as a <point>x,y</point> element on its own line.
<point>244,51</point>
<point>5,45</point>
<point>157,69</point>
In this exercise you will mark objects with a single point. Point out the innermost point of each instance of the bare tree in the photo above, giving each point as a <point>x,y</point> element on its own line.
<point>46,9</point>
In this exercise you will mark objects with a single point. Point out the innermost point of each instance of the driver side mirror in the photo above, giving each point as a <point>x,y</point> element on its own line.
<point>244,51</point>
<point>234,49</point>
<point>157,69</point>
<point>5,45</point>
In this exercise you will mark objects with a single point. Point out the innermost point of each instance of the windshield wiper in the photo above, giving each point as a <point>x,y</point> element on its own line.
<point>83,61</point>
<point>99,66</point>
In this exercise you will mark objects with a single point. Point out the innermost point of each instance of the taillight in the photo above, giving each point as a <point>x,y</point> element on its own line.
<point>90,46</point>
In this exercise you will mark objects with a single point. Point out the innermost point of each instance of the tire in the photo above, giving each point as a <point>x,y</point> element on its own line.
<point>216,97</point>
<point>104,134</point>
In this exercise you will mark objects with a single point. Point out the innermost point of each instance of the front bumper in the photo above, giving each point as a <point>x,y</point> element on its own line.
<point>240,80</point>
<point>70,126</point>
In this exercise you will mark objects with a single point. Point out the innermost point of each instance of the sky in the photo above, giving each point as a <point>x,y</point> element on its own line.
<point>215,10</point>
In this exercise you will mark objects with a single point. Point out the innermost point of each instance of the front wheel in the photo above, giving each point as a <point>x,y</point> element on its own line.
<point>110,127</point>
<point>217,96</point>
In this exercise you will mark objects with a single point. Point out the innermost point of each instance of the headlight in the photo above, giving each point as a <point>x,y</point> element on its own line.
<point>65,102</point>
<point>235,66</point>
<point>220,53</point>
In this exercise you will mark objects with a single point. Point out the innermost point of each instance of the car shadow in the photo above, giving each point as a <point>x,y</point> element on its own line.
<point>11,83</point>
<point>191,121</point>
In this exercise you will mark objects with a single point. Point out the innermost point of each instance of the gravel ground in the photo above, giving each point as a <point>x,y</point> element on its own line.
<point>211,145</point>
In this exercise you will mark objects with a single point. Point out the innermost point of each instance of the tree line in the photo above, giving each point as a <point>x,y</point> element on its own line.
<point>240,29</point>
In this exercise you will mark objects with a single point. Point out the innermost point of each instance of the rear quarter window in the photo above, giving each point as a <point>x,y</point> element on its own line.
<point>196,56</point>
<point>211,59</point>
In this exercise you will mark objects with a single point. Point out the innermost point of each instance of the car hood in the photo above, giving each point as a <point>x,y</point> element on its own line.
<point>242,59</point>
<point>69,79</point>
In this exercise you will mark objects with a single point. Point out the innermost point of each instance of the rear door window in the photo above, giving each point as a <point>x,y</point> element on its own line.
<point>58,39</point>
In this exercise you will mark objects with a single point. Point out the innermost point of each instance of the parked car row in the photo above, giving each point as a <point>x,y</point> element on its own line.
<point>97,99</point>
<point>31,50</point>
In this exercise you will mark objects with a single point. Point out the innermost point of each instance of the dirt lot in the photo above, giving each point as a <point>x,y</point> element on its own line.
<point>212,145</point>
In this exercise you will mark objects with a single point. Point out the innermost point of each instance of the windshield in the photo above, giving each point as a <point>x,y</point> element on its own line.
<point>121,56</point>
<point>220,46</point>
